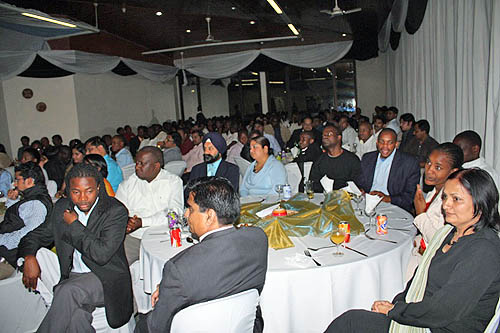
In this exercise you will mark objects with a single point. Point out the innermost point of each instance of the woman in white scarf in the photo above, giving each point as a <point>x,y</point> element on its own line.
<point>456,287</point>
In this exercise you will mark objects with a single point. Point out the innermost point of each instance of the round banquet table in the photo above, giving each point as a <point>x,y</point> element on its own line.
<point>299,296</point>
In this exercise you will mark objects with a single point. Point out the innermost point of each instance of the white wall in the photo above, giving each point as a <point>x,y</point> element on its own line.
<point>22,117</point>
<point>371,84</point>
<point>108,101</point>
<point>214,101</point>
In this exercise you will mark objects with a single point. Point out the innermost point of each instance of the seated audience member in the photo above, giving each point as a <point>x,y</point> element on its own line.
<point>445,159</point>
<point>195,155</point>
<point>57,140</point>
<point>65,155</point>
<point>336,163</point>
<point>456,287</point>
<point>25,143</point>
<point>366,141</point>
<point>306,126</point>
<point>155,134</point>
<point>5,176</point>
<point>121,153</point>
<point>309,149</point>
<point>95,145</point>
<point>33,155</point>
<point>213,207</point>
<point>265,172</point>
<point>275,146</point>
<point>44,143</point>
<point>407,125</point>
<point>74,142</point>
<point>135,142</point>
<point>280,131</point>
<point>391,116</point>
<point>245,151</point>
<point>390,173</point>
<point>214,165</point>
<point>237,147</point>
<point>148,194</point>
<point>108,141</point>
<point>128,135</point>
<point>349,134</point>
<point>26,214</point>
<point>55,167</point>
<point>77,155</point>
<point>422,144</point>
<point>87,229</point>
<point>186,144</point>
<point>471,143</point>
<point>232,136</point>
<point>98,162</point>
<point>378,124</point>
<point>171,151</point>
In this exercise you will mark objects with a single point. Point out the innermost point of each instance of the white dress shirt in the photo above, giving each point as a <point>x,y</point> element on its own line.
<point>481,163</point>
<point>78,264</point>
<point>349,137</point>
<point>151,201</point>
<point>381,174</point>
<point>162,136</point>
<point>234,151</point>
<point>193,157</point>
<point>394,124</point>
<point>367,146</point>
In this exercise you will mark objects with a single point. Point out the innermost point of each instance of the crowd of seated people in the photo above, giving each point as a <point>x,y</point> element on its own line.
<point>394,158</point>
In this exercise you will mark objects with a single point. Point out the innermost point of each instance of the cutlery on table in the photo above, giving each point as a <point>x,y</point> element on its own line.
<point>379,239</point>
<point>308,254</point>
<point>345,246</point>
<point>351,249</point>
<point>319,248</point>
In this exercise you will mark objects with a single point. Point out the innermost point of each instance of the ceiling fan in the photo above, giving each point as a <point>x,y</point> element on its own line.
<point>210,37</point>
<point>336,11</point>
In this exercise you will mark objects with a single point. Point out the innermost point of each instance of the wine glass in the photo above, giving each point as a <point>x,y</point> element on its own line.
<point>357,200</point>
<point>337,237</point>
<point>308,188</point>
<point>371,215</point>
<point>279,189</point>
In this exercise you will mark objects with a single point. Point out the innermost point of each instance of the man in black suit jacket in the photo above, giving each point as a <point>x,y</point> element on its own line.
<point>214,165</point>
<point>88,229</point>
<point>225,262</point>
<point>399,184</point>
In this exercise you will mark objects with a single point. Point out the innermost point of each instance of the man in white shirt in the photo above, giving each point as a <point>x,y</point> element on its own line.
<point>349,134</point>
<point>391,115</point>
<point>195,155</point>
<point>148,194</point>
<point>378,125</point>
<point>259,126</point>
<point>471,143</point>
<point>235,149</point>
<point>366,140</point>
<point>122,155</point>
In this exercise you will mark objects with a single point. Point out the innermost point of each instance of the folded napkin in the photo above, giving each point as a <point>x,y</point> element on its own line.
<point>263,213</point>
<point>352,188</point>
<point>295,151</point>
<point>371,202</point>
<point>327,183</point>
<point>299,260</point>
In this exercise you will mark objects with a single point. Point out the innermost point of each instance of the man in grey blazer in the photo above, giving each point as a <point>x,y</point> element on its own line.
<point>226,261</point>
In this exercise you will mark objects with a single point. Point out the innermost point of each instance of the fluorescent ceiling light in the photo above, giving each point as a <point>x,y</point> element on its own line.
<point>247,84</point>
<point>252,22</point>
<point>255,73</point>
<point>188,30</point>
<point>276,82</point>
<point>159,13</point>
<point>43,18</point>
<point>295,32</point>
<point>275,6</point>
<point>316,79</point>
<point>249,80</point>
<point>343,35</point>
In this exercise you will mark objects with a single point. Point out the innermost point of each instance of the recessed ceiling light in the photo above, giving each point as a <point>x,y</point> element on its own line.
<point>252,22</point>
<point>343,35</point>
<point>233,8</point>
<point>188,30</point>
<point>193,91</point>
<point>159,13</point>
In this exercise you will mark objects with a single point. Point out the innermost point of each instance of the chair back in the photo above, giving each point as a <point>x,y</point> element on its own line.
<point>235,313</point>
<point>128,170</point>
<point>493,325</point>
<point>242,165</point>
<point>176,167</point>
<point>294,176</point>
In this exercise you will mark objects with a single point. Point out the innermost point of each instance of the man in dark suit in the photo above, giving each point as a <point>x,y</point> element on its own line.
<point>225,262</point>
<point>390,173</point>
<point>214,165</point>
<point>310,151</point>
<point>307,125</point>
<point>88,229</point>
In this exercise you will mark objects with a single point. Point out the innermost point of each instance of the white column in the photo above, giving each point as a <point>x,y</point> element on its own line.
<point>263,91</point>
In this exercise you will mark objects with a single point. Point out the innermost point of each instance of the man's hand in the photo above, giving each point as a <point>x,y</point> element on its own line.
<point>155,296</point>
<point>385,198</point>
<point>69,216</point>
<point>31,272</point>
<point>13,194</point>
<point>382,307</point>
<point>419,201</point>
<point>133,224</point>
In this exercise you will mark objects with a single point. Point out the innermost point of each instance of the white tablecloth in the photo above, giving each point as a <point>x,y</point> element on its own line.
<point>307,299</point>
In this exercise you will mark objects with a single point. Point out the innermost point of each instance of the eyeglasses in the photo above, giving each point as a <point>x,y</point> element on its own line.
<point>327,135</point>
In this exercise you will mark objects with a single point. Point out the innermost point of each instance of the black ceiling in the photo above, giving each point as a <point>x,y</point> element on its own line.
<point>136,21</point>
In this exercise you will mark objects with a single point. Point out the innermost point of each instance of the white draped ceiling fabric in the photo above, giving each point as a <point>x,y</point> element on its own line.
<point>395,21</point>
<point>13,63</point>
<point>227,64</point>
<point>448,72</point>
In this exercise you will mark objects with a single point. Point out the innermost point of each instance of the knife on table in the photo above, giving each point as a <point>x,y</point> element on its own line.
<point>358,252</point>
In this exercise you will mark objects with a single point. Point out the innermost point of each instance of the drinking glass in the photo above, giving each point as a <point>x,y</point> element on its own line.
<point>357,200</point>
<point>371,215</point>
<point>279,189</point>
<point>337,237</point>
<point>308,188</point>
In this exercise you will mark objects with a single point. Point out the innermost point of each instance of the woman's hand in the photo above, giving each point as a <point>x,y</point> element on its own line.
<point>382,307</point>
<point>419,201</point>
